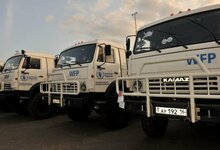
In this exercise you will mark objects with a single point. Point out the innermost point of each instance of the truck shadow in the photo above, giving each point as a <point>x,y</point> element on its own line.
<point>12,118</point>
<point>91,126</point>
<point>180,136</point>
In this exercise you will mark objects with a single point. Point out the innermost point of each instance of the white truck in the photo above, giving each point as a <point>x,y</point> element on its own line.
<point>174,71</point>
<point>20,81</point>
<point>84,80</point>
<point>3,105</point>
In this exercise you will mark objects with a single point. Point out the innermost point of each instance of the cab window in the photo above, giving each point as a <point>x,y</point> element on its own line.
<point>110,58</point>
<point>100,55</point>
<point>34,63</point>
<point>103,58</point>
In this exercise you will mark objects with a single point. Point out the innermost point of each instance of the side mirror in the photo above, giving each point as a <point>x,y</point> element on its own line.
<point>1,68</point>
<point>107,50</point>
<point>128,53</point>
<point>28,63</point>
<point>56,59</point>
<point>23,52</point>
<point>128,41</point>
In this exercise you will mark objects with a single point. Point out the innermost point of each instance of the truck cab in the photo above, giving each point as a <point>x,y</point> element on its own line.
<point>20,80</point>
<point>85,77</point>
<point>174,70</point>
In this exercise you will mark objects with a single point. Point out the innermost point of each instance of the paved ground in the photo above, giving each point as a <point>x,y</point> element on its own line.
<point>59,132</point>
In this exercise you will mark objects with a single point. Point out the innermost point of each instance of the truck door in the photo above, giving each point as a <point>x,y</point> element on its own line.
<point>36,72</point>
<point>107,69</point>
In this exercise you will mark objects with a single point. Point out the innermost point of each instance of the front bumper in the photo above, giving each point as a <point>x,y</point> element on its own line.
<point>57,91</point>
<point>77,101</point>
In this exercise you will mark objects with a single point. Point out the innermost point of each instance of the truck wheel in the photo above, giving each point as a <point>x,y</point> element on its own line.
<point>78,114</point>
<point>154,126</point>
<point>18,108</point>
<point>4,104</point>
<point>112,117</point>
<point>38,108</point>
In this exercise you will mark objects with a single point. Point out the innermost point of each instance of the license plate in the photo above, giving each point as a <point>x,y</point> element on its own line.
<point>121,101</point>
<point>56,101</point>
<point>171,111</point>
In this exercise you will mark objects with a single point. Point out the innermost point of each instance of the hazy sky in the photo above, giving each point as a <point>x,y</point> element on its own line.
<point>50,26</point>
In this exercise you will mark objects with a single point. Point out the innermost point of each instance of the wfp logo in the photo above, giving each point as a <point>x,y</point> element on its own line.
<point>100,74</point>
<point>209,58</point>
<point>24,78</point>
<point>74,73</point>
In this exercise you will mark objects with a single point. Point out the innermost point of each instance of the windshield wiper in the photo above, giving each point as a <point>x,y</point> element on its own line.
<point>75,62</point>
<point>78,63</point>
<point>6,69</point>
<point>65,64</point>
<point>59,65</point>
<point>205,28</point>
<point>149,48</point>
<point>70,64</point>
<point>171,34</point>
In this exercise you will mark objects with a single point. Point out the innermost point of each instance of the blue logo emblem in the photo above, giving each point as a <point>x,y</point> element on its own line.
<point>74,73</point>
<point>24,78</point>
<point>100,74</point>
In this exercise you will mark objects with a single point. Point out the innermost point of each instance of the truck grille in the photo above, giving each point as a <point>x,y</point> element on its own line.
<point>7,86</point>
<point>69,88</point>
<point>201,85</point>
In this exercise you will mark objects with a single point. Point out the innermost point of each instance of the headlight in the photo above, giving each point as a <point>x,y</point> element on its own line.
<point>83,87</point>
<point>137,85</point>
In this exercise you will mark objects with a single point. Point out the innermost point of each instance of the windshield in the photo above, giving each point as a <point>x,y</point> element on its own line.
<point>77,55</point>
<point>194,29</point>
<point>12,63</point>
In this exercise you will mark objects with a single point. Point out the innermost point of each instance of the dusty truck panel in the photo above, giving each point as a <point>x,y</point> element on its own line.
<point>174,70</point>
<point>85,81</point>
<point>20,80</point>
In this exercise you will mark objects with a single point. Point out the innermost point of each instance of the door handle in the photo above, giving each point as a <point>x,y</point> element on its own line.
<point>40,76</point>
<point>100,68</point>
<point>115,72</point>
<point>23,72</point>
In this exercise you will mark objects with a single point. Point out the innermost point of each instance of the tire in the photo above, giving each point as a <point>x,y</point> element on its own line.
<point>4,105</point>
<point>38,108</point>
<point>18,108</point>
<point>112,117</point>
<point>154,126</point>
<point>78,114</point>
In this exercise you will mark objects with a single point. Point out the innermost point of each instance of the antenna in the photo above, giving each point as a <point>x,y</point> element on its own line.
<point>135,20</point>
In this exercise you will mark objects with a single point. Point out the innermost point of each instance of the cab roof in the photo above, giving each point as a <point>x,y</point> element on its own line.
<point>182,14</point>
<point>97,41</point>
<point>45,55</point>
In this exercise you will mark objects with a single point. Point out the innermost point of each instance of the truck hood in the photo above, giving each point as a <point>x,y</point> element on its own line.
<point>67,74</point>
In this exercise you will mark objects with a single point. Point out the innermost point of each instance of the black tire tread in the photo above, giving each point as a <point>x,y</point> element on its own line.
<point>78,114</point>
<point>34,110</point>
<point>112,117</point>
<point>154,126</point>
